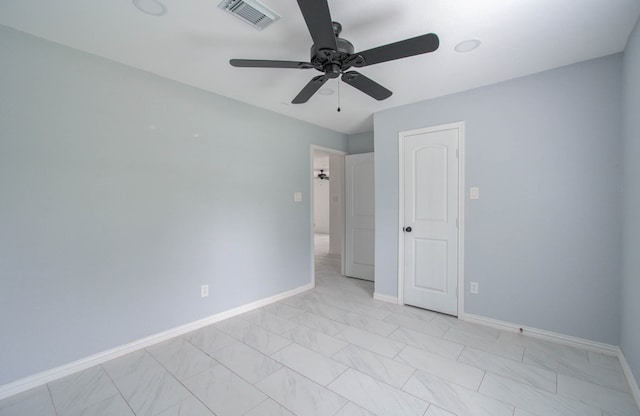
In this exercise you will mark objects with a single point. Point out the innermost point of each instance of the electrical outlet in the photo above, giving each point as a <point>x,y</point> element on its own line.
<point>204,291</point>
<point>473,288</point>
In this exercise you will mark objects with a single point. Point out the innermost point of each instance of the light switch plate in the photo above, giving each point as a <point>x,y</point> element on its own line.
<point>297,197</point>
<point>474,193</point>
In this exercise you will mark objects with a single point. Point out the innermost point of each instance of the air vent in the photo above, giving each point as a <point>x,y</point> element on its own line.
<point>250,11</point>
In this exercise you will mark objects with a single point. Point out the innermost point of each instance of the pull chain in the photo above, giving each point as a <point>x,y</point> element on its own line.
<point>338,95</point>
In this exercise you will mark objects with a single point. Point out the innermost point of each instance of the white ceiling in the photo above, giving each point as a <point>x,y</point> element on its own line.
<point>194,41</point>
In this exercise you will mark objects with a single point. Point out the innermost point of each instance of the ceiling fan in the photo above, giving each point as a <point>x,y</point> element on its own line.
<point>334,56</point>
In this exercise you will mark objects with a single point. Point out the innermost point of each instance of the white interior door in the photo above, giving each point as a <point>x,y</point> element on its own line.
<point>359,221</point>
<point>430,200</point>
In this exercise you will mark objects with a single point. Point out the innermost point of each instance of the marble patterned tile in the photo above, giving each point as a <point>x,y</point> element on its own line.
<point>225,393</point>
<point>459,373</point>
<point>447,349</point>
<point>269,408</point>
<point>450,322</point>
<point>181,358</point>
<point>358,308</point>
<point>602,360</point>
<point>369,324</point>
<point>520,412</point>
<point>565,361</point>
<point>524,373</point>
<point>151,389</point>
<point>319,323</point>
<point>130,363</point>
<point>353,410</point>
<point>36,401</point>
<point>426,327</point>
<point>209,339</point>
<point>113,406</point>
<point>300,395</point>
<point>533,400</point>
<point>372,342</point>
<point>297,300</point>
<point>81,390</point>
<point>526,340</point>
<point>610,400</point>
<point>351,318</point>
<point>255,336</point>
<point>511,351</point>
<point>376,396</point>
<point>315,340</point>
<point>188,407</point>
<point>309,363</point>
<point>375,365</point>
<point>454,398</point>
<point>283,310</point>
<point>436,411</point>
<point>268,321</point>
<point>416,313</point>
<point>246,362</point>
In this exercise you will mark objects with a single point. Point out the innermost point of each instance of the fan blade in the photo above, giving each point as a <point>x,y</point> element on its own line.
<point>318,18</point>
<point>257,63</point>
<point>310,89</point>
<point>402,49</point>
<point>366,85</point>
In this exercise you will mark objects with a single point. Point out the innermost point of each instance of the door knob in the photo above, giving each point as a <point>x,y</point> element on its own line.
<point>406,229</point>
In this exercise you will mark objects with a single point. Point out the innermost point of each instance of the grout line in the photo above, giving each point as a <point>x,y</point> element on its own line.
<point>53,404</point>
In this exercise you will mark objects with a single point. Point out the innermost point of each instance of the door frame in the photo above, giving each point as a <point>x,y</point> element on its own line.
<point>335,152</point>
<point>460,125</point>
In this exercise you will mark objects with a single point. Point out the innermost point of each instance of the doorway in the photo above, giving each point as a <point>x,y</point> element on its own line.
<point>431,204</point>
<point>327,211</point>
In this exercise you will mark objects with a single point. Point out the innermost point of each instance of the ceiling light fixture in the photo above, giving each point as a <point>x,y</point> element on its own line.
<point>467,45</point>
<point>326,91</point>
<point>151,7</point>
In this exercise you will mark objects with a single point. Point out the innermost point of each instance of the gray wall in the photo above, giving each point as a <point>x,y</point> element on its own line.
<point>108,227</point>
<point>360,143</point>
<point>543,242</point>
<point>630,328</point>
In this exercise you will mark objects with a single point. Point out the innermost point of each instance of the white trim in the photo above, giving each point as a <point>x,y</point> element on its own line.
<point>631,380</point>
<point>311,206</point>
<point>385,298</point>
<point>556,337</point>
<point>460,125</point>
<point>44,377</point>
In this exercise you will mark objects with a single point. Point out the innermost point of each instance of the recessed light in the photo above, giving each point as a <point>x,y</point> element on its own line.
<point>326,91</point>
<point>467,45</point>
<point>152,7</point>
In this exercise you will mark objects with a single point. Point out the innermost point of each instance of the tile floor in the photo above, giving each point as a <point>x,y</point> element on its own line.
<point>335,351</point>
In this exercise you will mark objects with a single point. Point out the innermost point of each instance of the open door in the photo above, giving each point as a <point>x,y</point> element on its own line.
<point>359,218</point>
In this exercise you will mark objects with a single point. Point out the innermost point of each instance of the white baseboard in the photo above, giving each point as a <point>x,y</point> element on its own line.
<point>44,377</point>
<point>581,343</point>
<point>385,298</point>
<point>631,380</point>
<point>571,341</point>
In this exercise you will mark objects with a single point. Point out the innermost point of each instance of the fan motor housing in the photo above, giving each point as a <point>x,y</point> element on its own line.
<point>325,60</point>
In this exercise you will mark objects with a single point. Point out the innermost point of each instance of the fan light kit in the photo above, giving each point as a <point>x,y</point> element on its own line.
<point>334,56</point>
<point>467,45</point>
<point>326,91</point>
<point>151,7</point>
